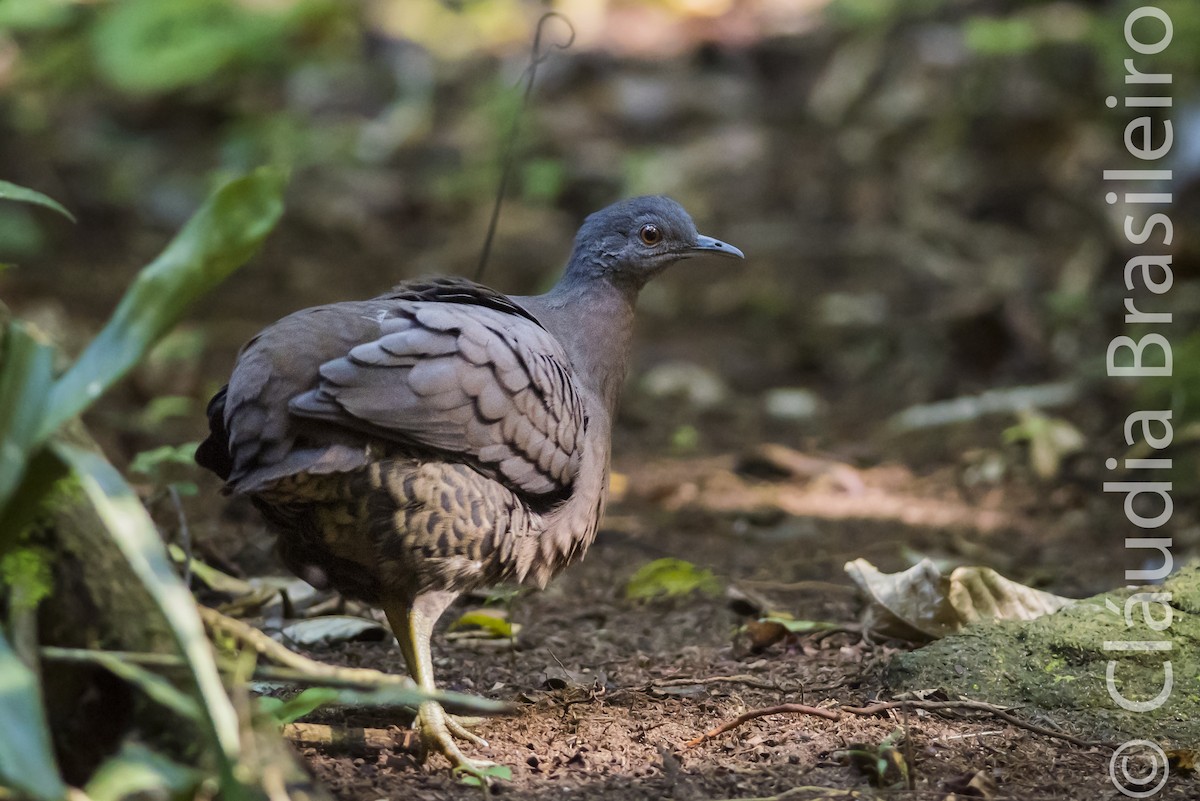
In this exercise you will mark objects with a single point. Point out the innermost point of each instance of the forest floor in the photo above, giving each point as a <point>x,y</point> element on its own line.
<point>608,691</point>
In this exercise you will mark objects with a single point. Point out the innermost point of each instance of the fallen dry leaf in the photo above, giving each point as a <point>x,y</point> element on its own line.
<point>922,604</point>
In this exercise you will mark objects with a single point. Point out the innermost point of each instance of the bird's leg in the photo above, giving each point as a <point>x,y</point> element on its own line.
<point>413,626</point>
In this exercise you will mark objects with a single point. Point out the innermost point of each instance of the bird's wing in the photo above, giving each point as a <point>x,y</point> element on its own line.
<point>465,373</point>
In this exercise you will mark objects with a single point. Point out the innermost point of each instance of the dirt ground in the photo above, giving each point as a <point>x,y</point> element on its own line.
<point>608,691</point>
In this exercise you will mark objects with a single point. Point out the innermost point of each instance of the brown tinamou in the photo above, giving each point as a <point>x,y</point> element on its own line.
<point>443,436</point>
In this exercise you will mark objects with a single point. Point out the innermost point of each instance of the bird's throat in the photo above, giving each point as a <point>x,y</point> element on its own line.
<point>593,319</point>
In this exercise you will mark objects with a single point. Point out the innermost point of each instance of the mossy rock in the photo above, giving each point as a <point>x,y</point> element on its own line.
<point>1056,666</point>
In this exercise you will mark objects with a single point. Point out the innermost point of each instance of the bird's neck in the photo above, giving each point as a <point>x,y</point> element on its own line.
<point>593,319</point>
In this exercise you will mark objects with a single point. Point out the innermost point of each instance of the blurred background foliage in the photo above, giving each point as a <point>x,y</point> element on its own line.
<point>918,186</point>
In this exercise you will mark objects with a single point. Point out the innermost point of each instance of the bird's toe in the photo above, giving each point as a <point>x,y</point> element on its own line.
<point>438,732</point>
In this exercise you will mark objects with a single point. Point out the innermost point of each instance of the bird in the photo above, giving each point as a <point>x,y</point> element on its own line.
<point>444,437</point>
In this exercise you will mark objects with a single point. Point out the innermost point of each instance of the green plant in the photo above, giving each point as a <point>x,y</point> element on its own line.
<point>38,456</point>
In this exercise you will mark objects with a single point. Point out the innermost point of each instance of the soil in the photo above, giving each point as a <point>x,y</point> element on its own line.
<point>607,691</point>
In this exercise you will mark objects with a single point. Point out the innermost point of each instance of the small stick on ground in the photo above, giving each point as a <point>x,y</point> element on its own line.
<point>807,791</point>
<point>352,740</point>
<point>978,706</point>
<point>745,717</point>
<point>875,709</point>
<point>749,681</point>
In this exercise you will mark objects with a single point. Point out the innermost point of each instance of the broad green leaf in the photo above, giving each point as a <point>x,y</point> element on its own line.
<point>26,757</point>
<point>294,708</point>
<point>133,532</point>
<point>670,577</point>
<point>138,772</point>
<point>147,46</point>
<point>380,695</point>
<point>9,191</point>
<point>34,14</point>
<point>26,378</point>
<point>219,238</point>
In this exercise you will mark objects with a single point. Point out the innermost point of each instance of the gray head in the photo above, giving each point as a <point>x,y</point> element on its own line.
<point>633,240</point>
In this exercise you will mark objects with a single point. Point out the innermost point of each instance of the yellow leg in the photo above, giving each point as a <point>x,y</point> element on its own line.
<point>413,627</point>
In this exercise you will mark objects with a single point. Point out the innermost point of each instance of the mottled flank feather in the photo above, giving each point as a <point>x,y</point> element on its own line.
<point>441,417</point>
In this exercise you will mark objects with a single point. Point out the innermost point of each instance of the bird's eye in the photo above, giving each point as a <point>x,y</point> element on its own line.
<point>650,234</point>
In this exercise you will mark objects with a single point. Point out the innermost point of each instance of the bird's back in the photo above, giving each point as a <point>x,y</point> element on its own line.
<point>419,440</point>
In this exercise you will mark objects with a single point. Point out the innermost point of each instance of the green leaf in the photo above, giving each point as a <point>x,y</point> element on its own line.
<point>34,14</point>
<point>26,757</point>
<point>26,378</point>
<point>147,46</point>
<point>219,238</point>
<point>305,703</point>
<point>133,532</point>
<point>384,696</point>
<point>670,578</point>
<point>21,194</point>
<point>497,626</point>
<point>138,772</point>
<point>799,626</point>
<point>149,462</point>
<point>476,777</point>
<point>1050,441</point>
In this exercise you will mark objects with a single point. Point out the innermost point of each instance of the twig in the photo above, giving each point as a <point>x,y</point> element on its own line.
<point>536,57</point>
<point>875,709</point>
<point>978,706</point>
<point>353,740</point>
<point>745,717</point>
<point>794,792</point>
<point>749,681</point>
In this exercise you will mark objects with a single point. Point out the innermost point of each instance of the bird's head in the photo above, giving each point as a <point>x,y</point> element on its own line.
<point>633,240</point>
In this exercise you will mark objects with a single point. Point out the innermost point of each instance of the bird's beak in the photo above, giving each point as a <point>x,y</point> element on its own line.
<point>706,244</point>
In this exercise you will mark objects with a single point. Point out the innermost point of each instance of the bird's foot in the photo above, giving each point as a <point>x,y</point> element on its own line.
<point>438,732</point>
<point>460,727</point>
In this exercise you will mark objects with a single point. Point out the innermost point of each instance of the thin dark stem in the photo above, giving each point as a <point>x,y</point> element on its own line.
<point>536,57</point>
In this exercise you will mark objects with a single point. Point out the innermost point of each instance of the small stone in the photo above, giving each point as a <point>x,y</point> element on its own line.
<point>792,403</point>
<point>699,386</point>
